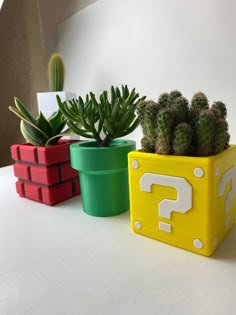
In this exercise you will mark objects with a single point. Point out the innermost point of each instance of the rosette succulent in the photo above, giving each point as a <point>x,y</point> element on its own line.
<point>39,131</point>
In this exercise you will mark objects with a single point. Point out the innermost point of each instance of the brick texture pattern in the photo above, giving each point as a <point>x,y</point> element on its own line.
<point>44,173</point>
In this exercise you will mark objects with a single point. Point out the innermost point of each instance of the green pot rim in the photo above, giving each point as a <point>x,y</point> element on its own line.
<point>88,156</point>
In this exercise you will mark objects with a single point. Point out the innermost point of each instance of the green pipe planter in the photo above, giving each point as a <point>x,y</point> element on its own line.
<point>103,176</point>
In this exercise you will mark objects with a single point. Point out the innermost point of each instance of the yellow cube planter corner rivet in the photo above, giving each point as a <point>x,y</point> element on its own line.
<point>188,202</point>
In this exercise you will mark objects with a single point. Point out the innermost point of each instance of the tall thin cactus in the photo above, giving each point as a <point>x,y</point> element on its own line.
<point>182,139</point>
<point>165,121</point>
<point>56,72</point>
<point>205,133</point>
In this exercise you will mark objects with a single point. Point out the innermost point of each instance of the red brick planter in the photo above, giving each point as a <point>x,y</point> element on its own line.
<point>44,173</point>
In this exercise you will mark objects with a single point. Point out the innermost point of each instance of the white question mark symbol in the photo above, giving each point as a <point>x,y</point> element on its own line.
<point>226,177</point>
<point>183,202</point>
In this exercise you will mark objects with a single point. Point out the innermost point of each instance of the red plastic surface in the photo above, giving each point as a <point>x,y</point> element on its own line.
<point>53,154</point>
<point>28,153</point>
<point>37,181</point>
<point>57,193</point>
<point>15,152</point>
<point>45,175</point>
<point>67,171</point>
<point>22,171</point>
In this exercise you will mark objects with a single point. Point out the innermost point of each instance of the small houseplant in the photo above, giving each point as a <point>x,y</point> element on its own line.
<point>183,181</point>
<point>42,164</point>
<point>102,162</point>
<point>47,102</point>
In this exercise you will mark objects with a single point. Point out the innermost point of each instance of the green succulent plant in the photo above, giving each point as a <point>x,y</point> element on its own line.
<point>39,131</point>
<point>105,118</point>
<point>56,72</point>
<point>182,129</point>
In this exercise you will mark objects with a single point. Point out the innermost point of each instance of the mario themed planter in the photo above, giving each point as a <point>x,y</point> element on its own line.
<point>44,173</point>
<point>188,202</point>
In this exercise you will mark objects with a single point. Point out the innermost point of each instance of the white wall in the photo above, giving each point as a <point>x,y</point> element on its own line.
<point>156,46</point>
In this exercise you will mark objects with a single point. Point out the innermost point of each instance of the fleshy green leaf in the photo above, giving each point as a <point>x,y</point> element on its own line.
<point>32,135</point>
<point>24,111</point>
<point>44,125</point>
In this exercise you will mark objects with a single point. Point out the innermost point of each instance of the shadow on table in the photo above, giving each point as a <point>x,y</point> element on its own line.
<point>227,249</point>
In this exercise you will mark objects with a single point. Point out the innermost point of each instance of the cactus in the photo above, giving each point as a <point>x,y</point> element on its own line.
<point>199,101</point>
<point>39,131</point>
<point>193,119</point>
<point>56,71</point>
<point>221,107</point>
<point>221,138</point>
<point>105,118</point>
<point>182,139</point>
<point>180,106</point>
<point>182,130</point>
<point>216,112</point>
<point>149,121</point>
<point>165,119</point>
<point>173,96</point>
<point>147,145</point>
<point>140,110</point>
<point>163,100</point>
<point>205,133</point>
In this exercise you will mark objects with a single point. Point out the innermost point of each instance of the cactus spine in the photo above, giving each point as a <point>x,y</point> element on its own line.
<point>56,71</point>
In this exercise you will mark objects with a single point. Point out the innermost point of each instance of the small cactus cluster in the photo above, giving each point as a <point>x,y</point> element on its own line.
<point>56,72</point>
<point>173,126</point>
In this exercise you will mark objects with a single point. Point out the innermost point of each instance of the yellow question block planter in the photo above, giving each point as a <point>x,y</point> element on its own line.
<point>188,202</point>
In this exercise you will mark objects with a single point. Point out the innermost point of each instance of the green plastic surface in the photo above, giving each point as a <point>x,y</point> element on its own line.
<point>103,173</point>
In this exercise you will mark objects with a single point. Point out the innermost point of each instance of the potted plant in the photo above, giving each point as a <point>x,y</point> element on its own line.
<point>102,163</point>
<point>42,164</point>
<point>47,102</point>
<point>183,180</point>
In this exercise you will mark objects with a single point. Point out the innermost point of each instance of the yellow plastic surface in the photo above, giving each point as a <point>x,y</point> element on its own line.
<point>209,184</point>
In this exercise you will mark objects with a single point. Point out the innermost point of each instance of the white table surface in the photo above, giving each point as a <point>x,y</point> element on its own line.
<point>60,261</point>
